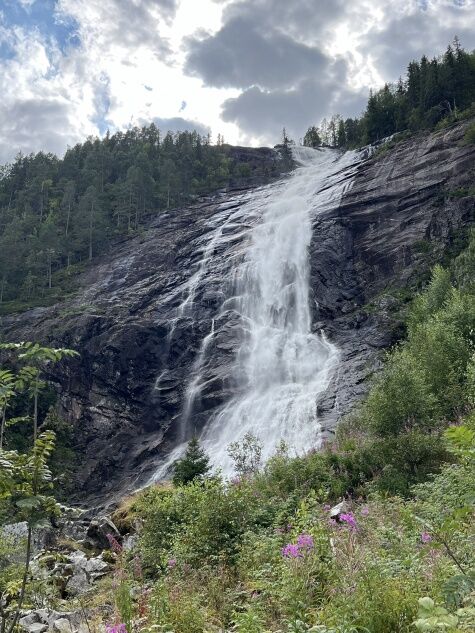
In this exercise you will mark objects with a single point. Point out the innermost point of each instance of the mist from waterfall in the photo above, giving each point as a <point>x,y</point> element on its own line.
<point>282,366</point>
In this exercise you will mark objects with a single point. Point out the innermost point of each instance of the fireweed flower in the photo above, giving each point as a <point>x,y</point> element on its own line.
<point>115,545</point>
<point>291,551</point>
<point>426,537</point>
<point>305,542</point>
<point>172,563</point>
<point>349,519</point>
<point>116,628</point>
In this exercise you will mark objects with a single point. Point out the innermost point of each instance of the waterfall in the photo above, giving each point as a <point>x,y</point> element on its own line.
<point>281,366</point>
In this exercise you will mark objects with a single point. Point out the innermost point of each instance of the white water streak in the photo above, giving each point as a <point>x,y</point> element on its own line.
<point>282,366</point>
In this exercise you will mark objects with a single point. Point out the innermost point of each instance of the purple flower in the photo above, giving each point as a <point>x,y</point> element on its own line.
<point>305,541</point>
<point>115,545</point>
<point>116,628</point>
<point>364,511</point>
<point>291,551</point>
<point>349,519</point>
<point>172,563</point>
<point>426,537</point>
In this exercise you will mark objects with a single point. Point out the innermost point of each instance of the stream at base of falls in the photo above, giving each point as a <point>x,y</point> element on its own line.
<point>281,366</point>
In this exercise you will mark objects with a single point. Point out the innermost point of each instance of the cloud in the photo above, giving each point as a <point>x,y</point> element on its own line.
<point>262,114</point>
<point>178,124</point>
<point>424,30</point>
<point>71,68</point>
<point>243,54</point>
<point>36,125</point>
<point>121,25</point>
<point>296,62</point>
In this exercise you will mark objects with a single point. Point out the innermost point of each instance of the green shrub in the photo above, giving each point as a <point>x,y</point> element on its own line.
<point>432,299</point>
<point>469,137</point>
<point>401,399</point>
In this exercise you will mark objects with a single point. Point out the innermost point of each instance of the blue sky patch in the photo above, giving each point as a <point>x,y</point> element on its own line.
<point>40,16</point>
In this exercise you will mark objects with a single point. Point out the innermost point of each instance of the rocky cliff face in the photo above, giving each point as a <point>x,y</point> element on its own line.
<point>143,312</point>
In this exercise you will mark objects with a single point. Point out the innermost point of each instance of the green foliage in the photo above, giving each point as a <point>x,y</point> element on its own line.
<point>29,378</point>
<point>193,465</point>
<point>57,214</point>
<point>402,399</point>
<point>312,137</point>
<point>433,618</point>
<point>246,455</point>
<point>469,138</point>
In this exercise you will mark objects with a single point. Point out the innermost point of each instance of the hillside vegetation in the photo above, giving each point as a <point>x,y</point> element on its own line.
<point>56,215</point>
<point>265,552</point>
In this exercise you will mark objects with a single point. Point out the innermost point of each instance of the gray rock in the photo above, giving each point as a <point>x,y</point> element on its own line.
<point>52,621</point>
<point>78,584</point>
<point>63,625</point>
<point>35,627</point>
<point>96,567</point>
<point>338,510</point>
<point>99,531</point>
<point>130,542</point>
<point>29,619</point>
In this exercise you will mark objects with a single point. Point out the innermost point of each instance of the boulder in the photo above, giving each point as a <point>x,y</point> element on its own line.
<point>338,510</point>
<point>99,530</point>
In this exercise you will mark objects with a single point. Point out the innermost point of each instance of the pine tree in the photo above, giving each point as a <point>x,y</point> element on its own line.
<point>312,137</point>
<point>193,465</point>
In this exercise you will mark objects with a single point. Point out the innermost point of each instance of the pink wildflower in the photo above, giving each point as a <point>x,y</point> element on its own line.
<point>364,511</point>
<point>172,563</point>
<point>115,545</point>
<point>291,551</point>
<point>116,628</point>
<point>426,537</point>
<point>305,541</point>
<point>349,519</point>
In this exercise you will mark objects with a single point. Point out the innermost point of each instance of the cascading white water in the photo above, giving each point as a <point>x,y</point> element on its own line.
<point>282,366</point>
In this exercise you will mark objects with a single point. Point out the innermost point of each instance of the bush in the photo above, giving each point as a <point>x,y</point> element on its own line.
<point>469,137</point>
<point>401,400</point>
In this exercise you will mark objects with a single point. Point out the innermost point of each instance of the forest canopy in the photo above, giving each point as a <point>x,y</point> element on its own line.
<point>56,214</point>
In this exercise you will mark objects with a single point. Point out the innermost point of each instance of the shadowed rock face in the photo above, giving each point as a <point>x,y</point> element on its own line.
<point>144,310</point>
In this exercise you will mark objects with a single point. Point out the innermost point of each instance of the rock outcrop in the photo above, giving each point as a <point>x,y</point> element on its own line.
<point>143,310</point>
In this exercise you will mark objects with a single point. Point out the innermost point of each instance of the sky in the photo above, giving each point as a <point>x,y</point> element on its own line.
<point>240,68</point>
